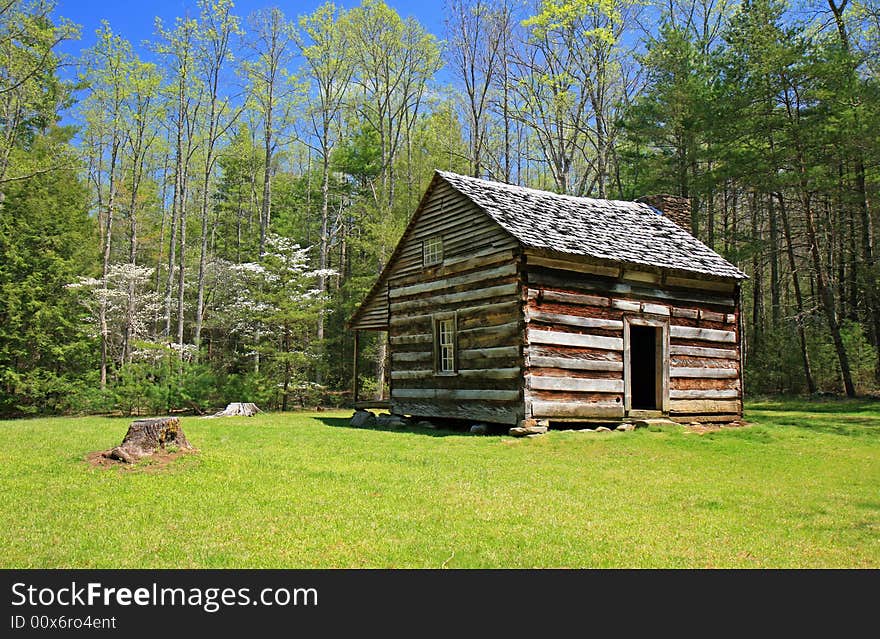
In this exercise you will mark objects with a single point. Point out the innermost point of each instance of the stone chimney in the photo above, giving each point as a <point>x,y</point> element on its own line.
<point>677,209</point>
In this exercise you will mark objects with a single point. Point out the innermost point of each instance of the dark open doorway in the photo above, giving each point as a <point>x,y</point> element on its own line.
<point>643,366</point>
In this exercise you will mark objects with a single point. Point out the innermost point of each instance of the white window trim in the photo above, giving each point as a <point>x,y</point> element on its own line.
<point>439,254</point>
<point>438,320</point>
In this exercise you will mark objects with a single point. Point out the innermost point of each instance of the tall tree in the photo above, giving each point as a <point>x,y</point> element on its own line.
<point>323,45</point>
<point>477,32</point>
<point>30,90</point>
<point>108,68</point>
<point>141,110</point>
<point>272,44</point>
<point>218,27</point>
<point>178,46</point>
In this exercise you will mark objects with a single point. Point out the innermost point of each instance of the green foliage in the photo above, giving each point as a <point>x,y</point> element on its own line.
<point>46,242</point>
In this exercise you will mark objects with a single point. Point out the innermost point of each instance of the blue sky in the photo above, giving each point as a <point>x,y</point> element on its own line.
<point>134,19</point>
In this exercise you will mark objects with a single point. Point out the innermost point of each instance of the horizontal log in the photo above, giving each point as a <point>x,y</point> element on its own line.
<point>691,406</point>
<point>469,410</point>
<point>655,309</point>
<point>576,409</point>
<point>438,301</point>
<point>446,212</point>
<point>469,228</point>
<point>626,305</point>
<point>689,313</point>
<point>496,352</point>
<point>453,394</point>
<point>641,276</point>
<point>706,334</point>
<point>718,418</point>
<point>480,311</point>
<point>575,384</point>
<point>453,266</point>
<point>573,320</point>
<point>702,383</point>
<point>574,339</point>
<point>703,285</point>
<point>699,351</point>
<point>706,373</point>
<point>495,334</point>
<point>568,298</point>
<point>470,373</point>
<point>703,394</point>
<point>416,374</point>
<point>449,282</point>
<point>490,373</point>
<point>572,265</point>
<point>454,215</point>
<point>370,325</point>
<point>418,356</point>
<point>540,278</point>
<point>457,243</point>
<point>421,338</point>
<point>730,318</point>
<point>712,316</point>
<point>574,364</point>
<point>573,352</point>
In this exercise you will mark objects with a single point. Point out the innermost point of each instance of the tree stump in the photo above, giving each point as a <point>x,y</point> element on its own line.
<point>244,409</point>
<point>146,436</point>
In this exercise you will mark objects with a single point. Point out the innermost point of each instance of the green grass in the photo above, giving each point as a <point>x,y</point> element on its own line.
<point>800,487</point>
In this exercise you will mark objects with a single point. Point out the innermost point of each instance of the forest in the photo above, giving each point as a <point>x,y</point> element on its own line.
<point>190,221</point>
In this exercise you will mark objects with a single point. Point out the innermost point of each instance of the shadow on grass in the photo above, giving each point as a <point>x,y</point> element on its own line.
<point>822,405</point>
<point>847,417</point>
<point>343,422</point>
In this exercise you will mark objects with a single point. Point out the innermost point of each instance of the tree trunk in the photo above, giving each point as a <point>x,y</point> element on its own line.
<point>266,209</point>
<point>175,218</point>
<point>799,300</point>
<point>381,364</point>
<point>872,297</point>
<point>757,277</point>
<point>128,334</point>
<point>826,295</point>
<point>325,250</point>
<point>203,261</point>
<point>181,265</point>
<point>775,306</point>
<point>872,272</point>
<point>108,236</point>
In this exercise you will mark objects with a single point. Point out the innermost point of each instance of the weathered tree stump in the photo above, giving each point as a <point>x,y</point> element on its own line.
<point>245,409</point>
<point>146,436</point>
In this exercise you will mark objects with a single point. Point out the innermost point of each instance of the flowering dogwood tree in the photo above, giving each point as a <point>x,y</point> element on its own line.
<point>129,305</point>
<point>269,309</point>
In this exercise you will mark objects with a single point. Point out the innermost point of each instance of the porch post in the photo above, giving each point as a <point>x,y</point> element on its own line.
<point>354,376</point>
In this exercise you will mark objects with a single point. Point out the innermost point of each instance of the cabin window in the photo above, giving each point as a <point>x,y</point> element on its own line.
<point>432,250</point>
<point>444,344</point>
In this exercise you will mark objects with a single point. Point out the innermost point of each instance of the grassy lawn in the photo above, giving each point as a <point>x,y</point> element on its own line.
<point>800,487</point>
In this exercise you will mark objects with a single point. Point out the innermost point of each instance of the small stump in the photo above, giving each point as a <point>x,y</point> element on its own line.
<point>146,436</point>
<point>239,409</point>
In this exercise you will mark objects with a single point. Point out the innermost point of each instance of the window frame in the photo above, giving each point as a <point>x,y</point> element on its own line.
<point>450,320</point>
<point>434,240</point>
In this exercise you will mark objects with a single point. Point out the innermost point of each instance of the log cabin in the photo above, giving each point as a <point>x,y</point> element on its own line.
<point>503,304</point>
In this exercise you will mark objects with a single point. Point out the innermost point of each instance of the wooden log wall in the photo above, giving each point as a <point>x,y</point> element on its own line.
<point>466,231</point>
<point>479,283</point>
<point>574,367</point>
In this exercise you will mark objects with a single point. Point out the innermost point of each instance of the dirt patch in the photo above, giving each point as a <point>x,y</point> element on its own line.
<point>702,429</point>
<point>159,461</point>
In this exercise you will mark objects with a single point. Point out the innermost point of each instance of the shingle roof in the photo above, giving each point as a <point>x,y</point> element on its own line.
<point>605,229</point>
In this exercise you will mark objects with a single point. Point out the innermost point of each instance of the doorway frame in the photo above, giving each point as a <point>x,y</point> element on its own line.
<point>662,368</point>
